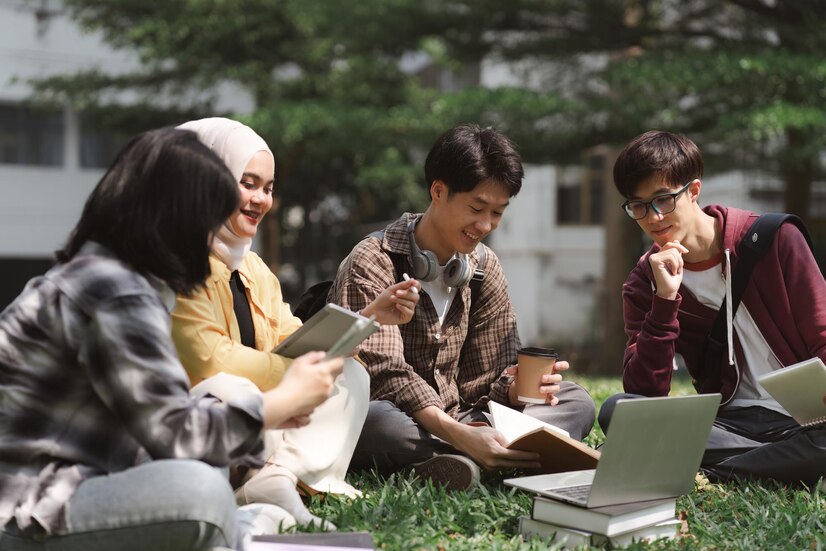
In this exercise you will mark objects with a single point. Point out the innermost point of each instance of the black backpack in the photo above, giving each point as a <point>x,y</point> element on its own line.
<point>315,297</point>
<point>755,243</point>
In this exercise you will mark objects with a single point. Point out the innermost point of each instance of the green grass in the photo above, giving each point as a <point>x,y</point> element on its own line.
<point>402,513</point>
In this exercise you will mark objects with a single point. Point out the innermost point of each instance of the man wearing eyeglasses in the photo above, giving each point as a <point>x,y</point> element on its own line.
<point>672,297</point>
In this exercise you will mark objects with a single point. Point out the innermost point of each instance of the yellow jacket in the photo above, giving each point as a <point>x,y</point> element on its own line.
<point>206,332</point>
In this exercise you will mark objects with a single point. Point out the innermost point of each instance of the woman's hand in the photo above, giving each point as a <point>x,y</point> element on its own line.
<point>306,384</point>
<point>396,304</point>
<point>295,422</point>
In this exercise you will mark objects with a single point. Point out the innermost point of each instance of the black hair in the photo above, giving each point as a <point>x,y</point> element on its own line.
<point>672,157</point>
<point>467,155</point>
<point>157,206</point>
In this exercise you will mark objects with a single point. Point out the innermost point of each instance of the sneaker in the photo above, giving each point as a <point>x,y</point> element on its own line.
<point>263,519</point>
<point>453,472</point>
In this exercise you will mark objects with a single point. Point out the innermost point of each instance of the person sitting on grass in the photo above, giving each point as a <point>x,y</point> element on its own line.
<point>103,446</point>
<point>432,378</point>
<point>671,299</point>
<point>232,324</point>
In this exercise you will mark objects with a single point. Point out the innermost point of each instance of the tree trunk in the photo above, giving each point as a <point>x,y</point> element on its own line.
<point>623,244</point>
<point>797,168</point>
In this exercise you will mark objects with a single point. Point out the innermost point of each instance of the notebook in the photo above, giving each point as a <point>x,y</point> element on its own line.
<point>800,389</point>
<point>333,329</point>
<point>652,451</point>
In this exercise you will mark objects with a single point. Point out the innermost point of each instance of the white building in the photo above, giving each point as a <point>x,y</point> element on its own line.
<point>50,160</point>
<point>551,241</point>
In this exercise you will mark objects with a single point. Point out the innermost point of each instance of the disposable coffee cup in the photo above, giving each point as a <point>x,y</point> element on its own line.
<point>534,362</point>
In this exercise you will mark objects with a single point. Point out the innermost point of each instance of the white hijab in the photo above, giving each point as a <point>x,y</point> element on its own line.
<point>235,144</point>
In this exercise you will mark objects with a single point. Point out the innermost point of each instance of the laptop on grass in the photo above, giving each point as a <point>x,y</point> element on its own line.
<point>652,451</point>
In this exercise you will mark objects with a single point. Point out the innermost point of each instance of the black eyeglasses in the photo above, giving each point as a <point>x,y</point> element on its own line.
<point>662,204</point>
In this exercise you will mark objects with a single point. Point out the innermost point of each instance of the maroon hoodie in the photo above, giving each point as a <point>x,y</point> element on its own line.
<point>786,296</point>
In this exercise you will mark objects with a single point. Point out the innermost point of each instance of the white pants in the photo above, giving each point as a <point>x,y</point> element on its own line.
<point>318,453</point>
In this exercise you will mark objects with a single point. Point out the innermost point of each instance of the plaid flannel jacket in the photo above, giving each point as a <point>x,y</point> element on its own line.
<point>455,367</point>
<point>90,381</point>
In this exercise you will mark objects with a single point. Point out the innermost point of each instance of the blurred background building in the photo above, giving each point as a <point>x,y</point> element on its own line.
<point>564,242</point>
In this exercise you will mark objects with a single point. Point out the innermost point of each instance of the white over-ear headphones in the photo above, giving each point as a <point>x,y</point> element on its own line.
<point>425,265</point>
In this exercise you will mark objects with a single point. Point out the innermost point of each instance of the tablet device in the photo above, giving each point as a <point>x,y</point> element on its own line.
<point>333,329</point>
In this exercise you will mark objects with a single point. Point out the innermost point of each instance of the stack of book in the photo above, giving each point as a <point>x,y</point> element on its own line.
<point>617,525</point>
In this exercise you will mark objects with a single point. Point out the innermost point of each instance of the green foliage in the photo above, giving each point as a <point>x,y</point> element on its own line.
<point>349,126</point>
<point>402,513</point>
<point>744,77</point>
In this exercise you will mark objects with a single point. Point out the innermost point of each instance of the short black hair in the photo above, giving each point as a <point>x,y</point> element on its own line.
<point>157,205</point>
<point>672,157</point>
<point>467,155</point>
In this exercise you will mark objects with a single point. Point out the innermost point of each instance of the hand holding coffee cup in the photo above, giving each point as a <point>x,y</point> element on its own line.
<point>536,366</point>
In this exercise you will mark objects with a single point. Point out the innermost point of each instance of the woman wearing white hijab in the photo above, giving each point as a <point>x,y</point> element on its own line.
<point>231,325</point>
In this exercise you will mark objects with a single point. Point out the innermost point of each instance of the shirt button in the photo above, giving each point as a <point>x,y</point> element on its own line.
<point>438,336</point>
<point>437,372</point>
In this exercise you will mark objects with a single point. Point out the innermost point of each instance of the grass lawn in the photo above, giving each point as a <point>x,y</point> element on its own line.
<point>403,513</point>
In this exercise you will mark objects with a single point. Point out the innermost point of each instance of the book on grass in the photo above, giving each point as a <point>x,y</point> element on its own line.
<point>800,389</point>
<point>607,521</point>
<point>558,452</point>
<point>333,329</point>
<point>572,538</point>
<point>326,541</point>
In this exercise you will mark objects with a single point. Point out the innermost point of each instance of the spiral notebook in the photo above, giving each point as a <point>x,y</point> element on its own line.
<point>800,389</point>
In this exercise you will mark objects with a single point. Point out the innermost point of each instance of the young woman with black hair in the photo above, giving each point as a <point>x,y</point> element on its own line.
<point>102,446</point>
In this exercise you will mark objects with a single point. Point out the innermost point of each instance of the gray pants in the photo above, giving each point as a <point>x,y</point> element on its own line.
<point>391,439</point>
<point>168,505</point>
<point>755,442</point>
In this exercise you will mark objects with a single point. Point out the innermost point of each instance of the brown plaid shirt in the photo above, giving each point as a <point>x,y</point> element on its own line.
<point>456,366</point>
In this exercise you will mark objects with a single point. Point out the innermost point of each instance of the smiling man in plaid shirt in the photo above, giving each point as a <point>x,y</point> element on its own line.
<point>432,378</point>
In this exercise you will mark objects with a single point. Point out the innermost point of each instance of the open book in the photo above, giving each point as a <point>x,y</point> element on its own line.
<point>800,389</point>
<point>333,329</point>
<point>558,452</point>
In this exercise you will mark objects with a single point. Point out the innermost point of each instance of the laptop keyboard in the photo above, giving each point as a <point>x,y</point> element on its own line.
<point>578,494</point>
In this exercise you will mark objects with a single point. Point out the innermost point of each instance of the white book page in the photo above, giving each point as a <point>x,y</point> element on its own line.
<point>514,424</point>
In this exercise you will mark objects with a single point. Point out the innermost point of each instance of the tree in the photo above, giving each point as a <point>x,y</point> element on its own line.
<point>349,122</point>
<point>747,78</point>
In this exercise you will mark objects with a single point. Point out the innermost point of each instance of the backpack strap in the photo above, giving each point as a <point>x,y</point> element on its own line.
<point>399,260</point>
<point>754,244</point>
<point>478,274</point>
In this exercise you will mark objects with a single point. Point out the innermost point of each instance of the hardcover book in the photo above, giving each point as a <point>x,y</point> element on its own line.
<point>320,541</point>
<point>572,538</point>
<point>557,451</point>
<point>610,520</point>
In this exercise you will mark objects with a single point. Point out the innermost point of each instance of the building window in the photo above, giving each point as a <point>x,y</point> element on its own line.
<point>581,191</point>
<point>99,142</point>
<point>568,203</point>
<point>31,135</point>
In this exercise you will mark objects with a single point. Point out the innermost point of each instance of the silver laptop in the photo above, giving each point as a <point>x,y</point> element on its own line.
<point>652,451</point>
